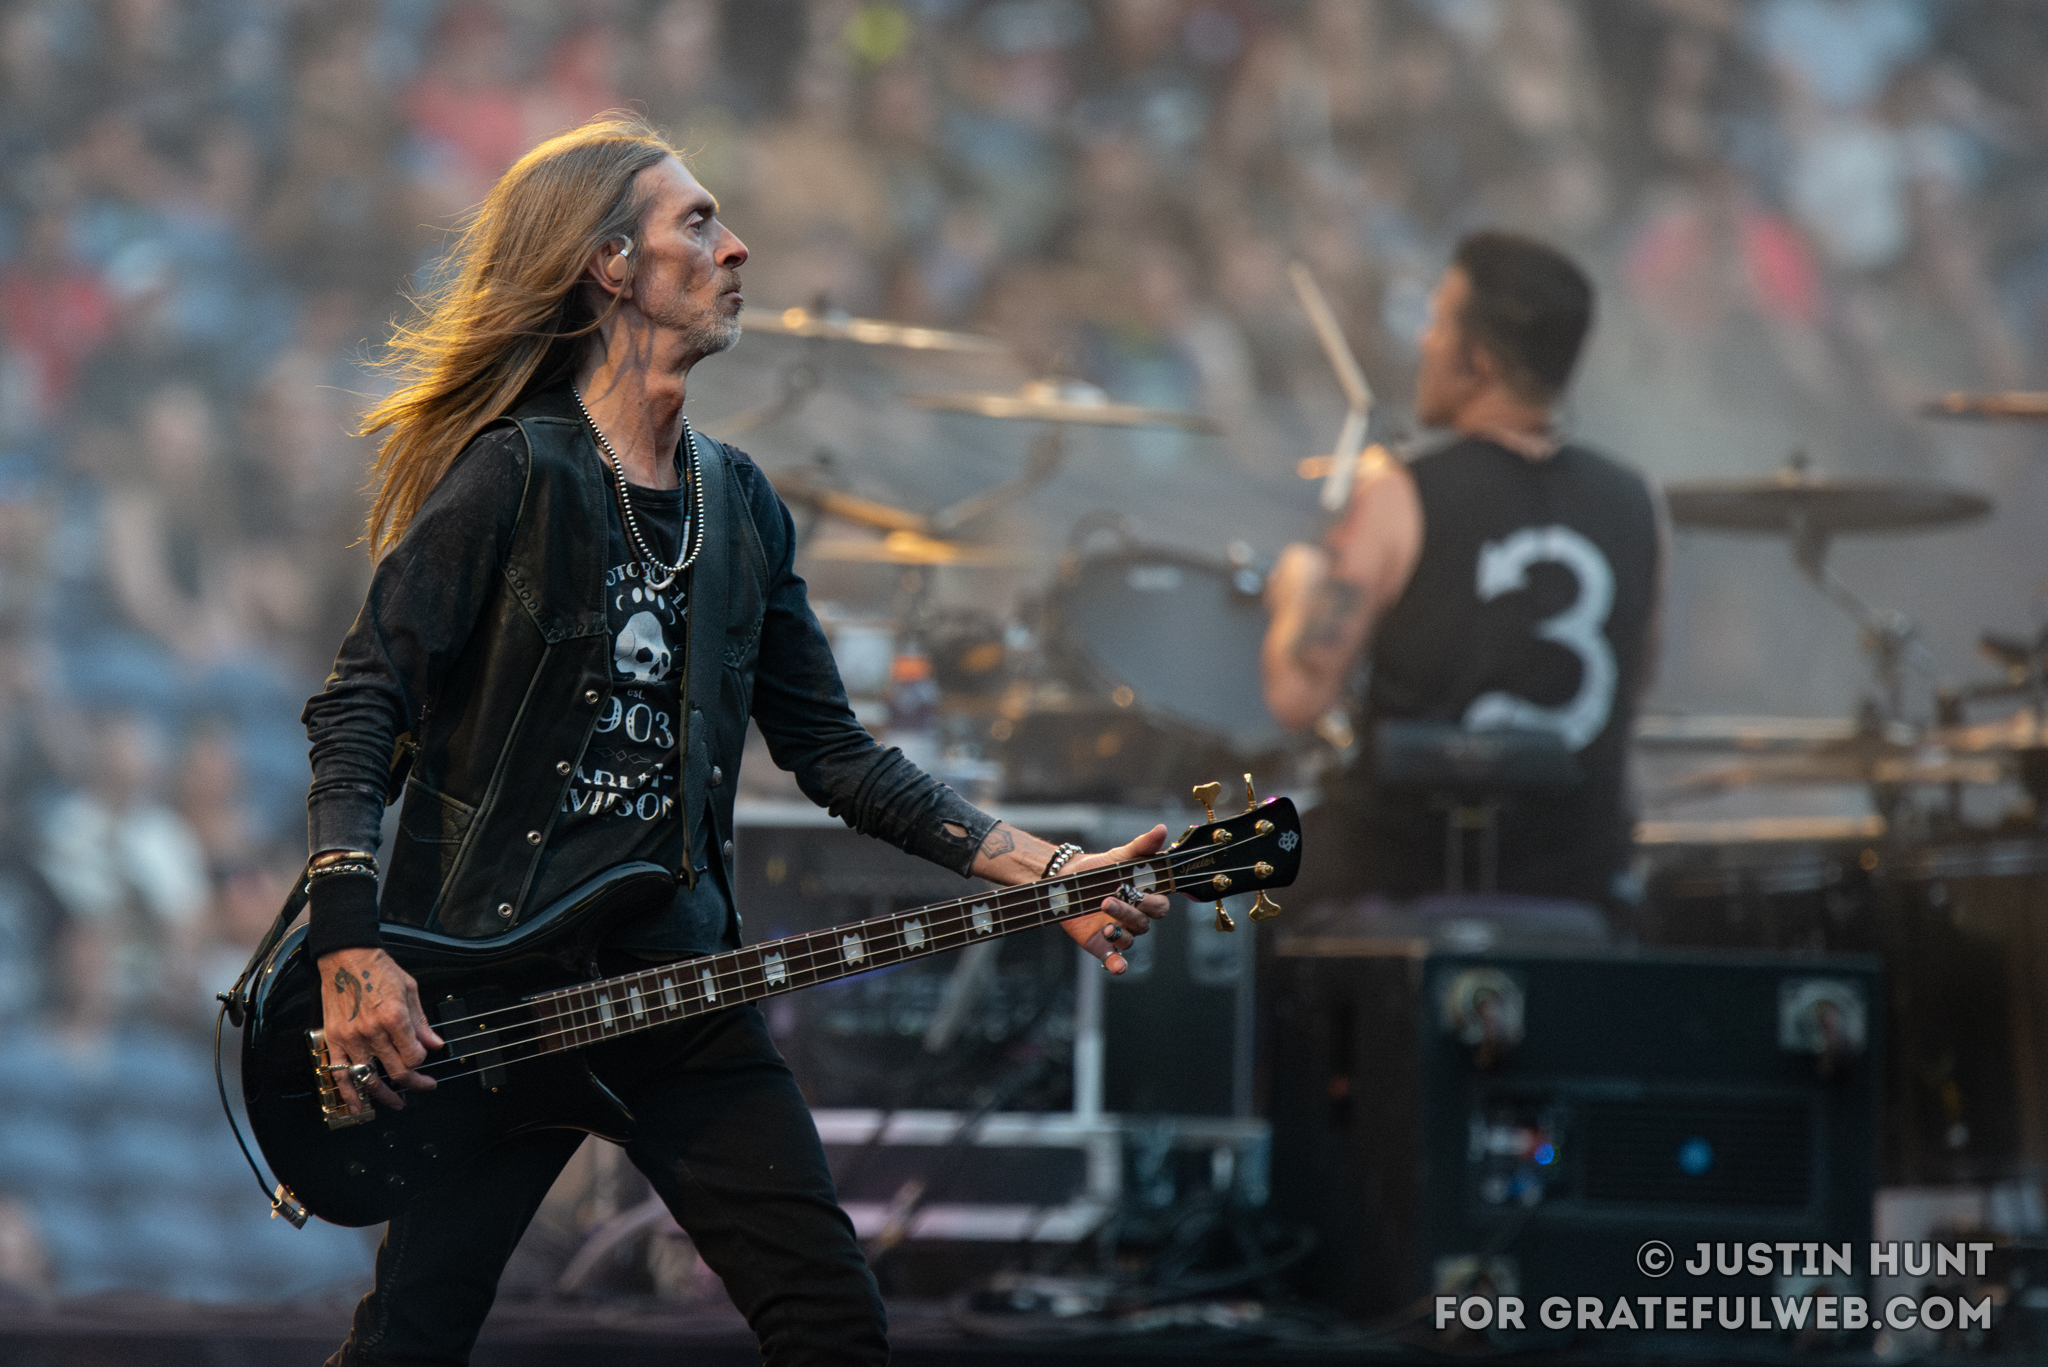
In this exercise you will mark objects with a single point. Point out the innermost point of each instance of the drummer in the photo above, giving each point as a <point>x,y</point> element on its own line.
<point>1508,578</point>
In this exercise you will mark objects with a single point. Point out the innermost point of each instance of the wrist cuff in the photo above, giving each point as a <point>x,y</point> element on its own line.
<point>343,915</point>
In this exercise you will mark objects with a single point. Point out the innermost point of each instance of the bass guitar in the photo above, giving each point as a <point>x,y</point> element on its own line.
<point>516,1010</point>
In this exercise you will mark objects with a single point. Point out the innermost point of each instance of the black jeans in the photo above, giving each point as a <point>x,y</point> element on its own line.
<point>724,1136</point>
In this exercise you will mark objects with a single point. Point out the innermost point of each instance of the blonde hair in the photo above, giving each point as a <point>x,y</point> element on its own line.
<point>512,318</point>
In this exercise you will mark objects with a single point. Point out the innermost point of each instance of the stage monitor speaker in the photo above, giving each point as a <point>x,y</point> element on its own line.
<point>1524,1123</point>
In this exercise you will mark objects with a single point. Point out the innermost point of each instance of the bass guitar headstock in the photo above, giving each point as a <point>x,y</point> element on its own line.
<point>1257,849</point>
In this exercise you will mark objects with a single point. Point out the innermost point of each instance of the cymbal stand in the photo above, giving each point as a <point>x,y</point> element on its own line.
<point>1889,637</point>
<point>1048,453</point>
<point>799,379</point>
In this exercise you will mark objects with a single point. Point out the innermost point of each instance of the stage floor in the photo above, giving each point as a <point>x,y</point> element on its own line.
<point>136,1331</point>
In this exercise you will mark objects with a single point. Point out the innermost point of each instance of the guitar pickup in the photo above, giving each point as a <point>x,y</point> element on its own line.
<point>458,1024</point>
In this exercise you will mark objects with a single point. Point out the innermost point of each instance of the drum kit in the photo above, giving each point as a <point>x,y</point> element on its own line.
<point>1098,688</point>
<point>1138,664</point>
<point>1148,650</point>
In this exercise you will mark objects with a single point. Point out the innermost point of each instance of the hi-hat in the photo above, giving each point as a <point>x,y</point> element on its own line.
<point>1795,502</point>
<point>1068,401</point>
<point>833,326</point>
<point>2021,404</point>
<point>913,548</point>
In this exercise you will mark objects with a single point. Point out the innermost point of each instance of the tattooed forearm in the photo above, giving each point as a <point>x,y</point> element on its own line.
<point>345,981</point>
<point>998,842</point>
<point>1331,603</point>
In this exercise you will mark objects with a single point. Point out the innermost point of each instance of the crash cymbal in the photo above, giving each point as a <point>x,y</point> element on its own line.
<point>833,326</point>
<point>1828,770</point>
<point>2020,404</point>
<point>913,548</point>
<point>1071,401</point>
<point>1795,502</point>
<point>1665,733</point>
<point>2023,730</point>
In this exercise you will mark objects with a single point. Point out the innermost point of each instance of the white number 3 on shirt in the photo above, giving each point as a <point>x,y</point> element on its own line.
<point>1504,568</point>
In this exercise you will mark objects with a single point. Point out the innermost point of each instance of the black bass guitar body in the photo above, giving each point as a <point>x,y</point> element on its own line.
<point>476,992</point>
<point>516,1011</point>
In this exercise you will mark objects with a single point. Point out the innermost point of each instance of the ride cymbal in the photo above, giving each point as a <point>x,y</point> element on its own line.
<point>2019,404</point>
<point>913,548</point>
<point>1065,401</point>
<point>1793,501</point>
<point>833,326</point>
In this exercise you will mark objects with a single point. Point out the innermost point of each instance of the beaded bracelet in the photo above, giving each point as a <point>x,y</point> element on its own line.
<point>1059,859</point>
<point>342,868</point>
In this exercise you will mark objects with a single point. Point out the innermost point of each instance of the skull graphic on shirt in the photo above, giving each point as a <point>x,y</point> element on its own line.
<point>641,652</point>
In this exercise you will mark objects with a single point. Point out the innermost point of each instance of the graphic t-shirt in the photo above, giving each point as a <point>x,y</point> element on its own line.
<point>621,804</point>
<point>630,770</point>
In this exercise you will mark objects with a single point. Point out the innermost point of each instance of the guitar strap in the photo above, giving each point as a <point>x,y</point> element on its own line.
<point>236,998</point>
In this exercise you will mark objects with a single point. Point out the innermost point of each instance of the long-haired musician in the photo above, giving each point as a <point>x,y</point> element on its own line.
<point>578,606</point>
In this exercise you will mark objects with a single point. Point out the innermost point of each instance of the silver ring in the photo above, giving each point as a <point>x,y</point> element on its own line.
<point>1112,932</point>
<point>362,1075</point>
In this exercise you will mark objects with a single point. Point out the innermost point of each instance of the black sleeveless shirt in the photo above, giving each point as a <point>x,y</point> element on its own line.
<point>1529,609</point>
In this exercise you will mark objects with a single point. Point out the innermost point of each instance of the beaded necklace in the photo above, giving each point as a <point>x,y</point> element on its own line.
<point>694,509</point>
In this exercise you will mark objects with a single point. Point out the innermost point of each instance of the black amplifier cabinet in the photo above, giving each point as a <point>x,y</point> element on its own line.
<point>1524,1123</point>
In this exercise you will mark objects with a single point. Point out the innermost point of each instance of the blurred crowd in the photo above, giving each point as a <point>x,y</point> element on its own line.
<point>210,211</point>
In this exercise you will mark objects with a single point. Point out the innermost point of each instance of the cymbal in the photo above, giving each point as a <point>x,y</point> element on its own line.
<point>1071,401</point>
<point>2024,405</point>
<point>2023,730</point>
<point>1836,768</point>
<point>1794,501</point>
<point>833,326</point>
<point>1664,733</point>
<point>913,548</point>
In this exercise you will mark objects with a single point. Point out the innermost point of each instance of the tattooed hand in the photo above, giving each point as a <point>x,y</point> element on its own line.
<point>1009,857</point>
<point>370,1009</point>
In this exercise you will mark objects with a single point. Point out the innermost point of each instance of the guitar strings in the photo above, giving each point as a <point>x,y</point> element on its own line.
<point>551,1028</point>
<point>1103,873</point>
<point>584,1017</point>
<point>699,1005</point>
<point>581,1018</point>
<point>936,908</point>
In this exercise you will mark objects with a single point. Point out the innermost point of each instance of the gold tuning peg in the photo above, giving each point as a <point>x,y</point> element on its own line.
<point>1223,921</point>
<point>1264,908</point>
<point>1251,799</point>
<point>1207,794</point>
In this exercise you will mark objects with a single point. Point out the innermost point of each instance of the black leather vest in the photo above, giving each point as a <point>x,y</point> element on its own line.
<point>496,746</point>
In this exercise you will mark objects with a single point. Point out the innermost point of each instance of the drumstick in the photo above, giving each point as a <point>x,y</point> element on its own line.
<point>1350,378</point>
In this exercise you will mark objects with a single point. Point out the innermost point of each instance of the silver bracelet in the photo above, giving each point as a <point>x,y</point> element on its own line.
<point>342,868</point>
<point>1059,860</point>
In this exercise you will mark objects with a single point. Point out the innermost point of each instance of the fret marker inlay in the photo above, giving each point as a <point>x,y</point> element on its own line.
<point>913,933</point>
<point>1059,897</point>
<point>634,1004</point>
<point>604,1010</point>
<point>852,947</point>
<point>668,993</point>
<point>710,986</point>
<point>777,974</point>
<point>984,919</point>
